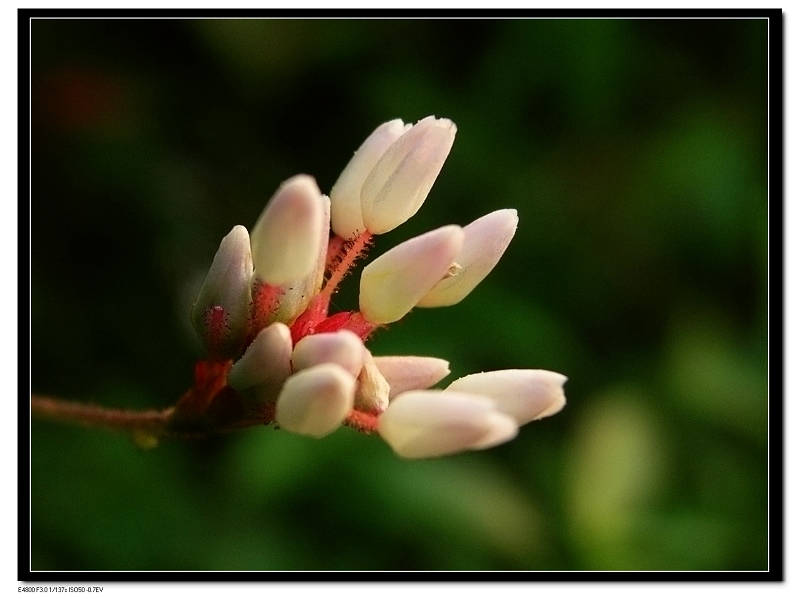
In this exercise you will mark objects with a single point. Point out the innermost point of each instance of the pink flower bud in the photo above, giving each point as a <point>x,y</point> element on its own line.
<point>406,373</point>
<point>525,395</point>
<point>265,364</point>
<point>485,241</point>
<point>344,348</point>
<point>402,178</point>
<point>427,424</point>
<point>220,312</point>
<point>296,295</point>
<point>286,237</point>
<point>315,401</point>
<point>346,219</point>
<point>393,284</point>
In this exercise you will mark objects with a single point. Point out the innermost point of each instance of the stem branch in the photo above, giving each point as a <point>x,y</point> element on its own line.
<point>349,251</point>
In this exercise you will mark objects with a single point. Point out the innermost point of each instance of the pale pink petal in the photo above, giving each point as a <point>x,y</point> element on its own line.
<point>426,424</point>
<point>485,241</point>
<point>265,364</point>
<point>297,295</point>
<point>404,175</point>
<point>393,284</point>
<point>315,401</point>
<point>344,348</point>
<point>286,237</point>
<point>346,219</point>
<point>524,394</point>
<point>502,428</point>
<point>406,373</point>
<point>228,286</point>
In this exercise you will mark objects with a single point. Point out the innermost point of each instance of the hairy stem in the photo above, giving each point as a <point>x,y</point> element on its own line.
<point>154,421</point>
<point>348,252</point>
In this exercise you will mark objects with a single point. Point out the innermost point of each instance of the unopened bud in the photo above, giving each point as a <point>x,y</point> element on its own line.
<point>315,401</point>
<point>220,312</point>
<point>296,295</point>
<point>407,373</point>
<point>344,348</point>
<point>346,219</point>
<point>402,178</point>
<point>286,237</point>
<point>427,424</point>
<point>485,241</point>
<point>265,365</point>
<point>393,284</point>
<point>525,395</point>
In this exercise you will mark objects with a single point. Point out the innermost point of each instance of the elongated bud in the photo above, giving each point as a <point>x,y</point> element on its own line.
<point>406,373</point>
<point>297,295</point>
<point>485,241</point>
<point>344,348</point>
<point>393,284</point>
<point>286,238</point>
<point>220,312</point>
<point>315,401</point>
<point>525,395</point>
<point>346,219</point>
<point>372,393</point>
<point>265,365</point>
<point>427,424</point>
<point>402,178</point>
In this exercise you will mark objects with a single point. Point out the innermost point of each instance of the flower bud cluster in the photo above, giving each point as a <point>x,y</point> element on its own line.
<point>264,305</point>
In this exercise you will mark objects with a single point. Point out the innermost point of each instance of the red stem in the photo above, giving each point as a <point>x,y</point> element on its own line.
<point>352,250</point>
<point>91,415</point>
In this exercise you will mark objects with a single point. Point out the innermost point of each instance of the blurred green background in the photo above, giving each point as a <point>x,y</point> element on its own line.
<point>635,153</point>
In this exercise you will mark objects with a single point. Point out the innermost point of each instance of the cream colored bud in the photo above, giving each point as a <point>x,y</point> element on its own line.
<point>298,294</point>
<point>346,219</point>
<point>428,424</point>
<point>525,395</point>
<point>402,178</point>
<point>315,401</point>
<point>406,373</point>
<point>265,365</point>
<point>393,284</point>
<point>286,238</point>
<point>372,394</point>
<point>344,348</point>
<point>227,286</point>
<point>485,241</point>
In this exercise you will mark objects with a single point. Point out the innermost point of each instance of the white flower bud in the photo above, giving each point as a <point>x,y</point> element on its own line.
<point>346,219</point>
<point>402,178</point>
<point>297,295</point>
<point>344,348</point>
<point>393,284</point>
<point>427,424</point>
<point>406,373</point>
<point>265,365</point>
<point>525,395</point>
<point>315,401</point>
<point>286,237</point>
<point>485,241</point>
<point>226,287</point>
